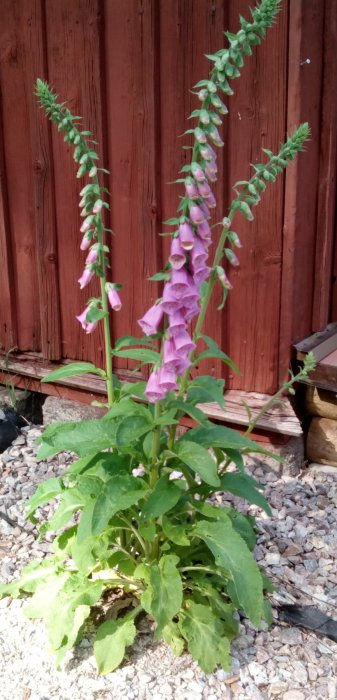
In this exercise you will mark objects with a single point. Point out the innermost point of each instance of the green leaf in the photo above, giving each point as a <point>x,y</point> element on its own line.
<point>268,612</point>
<point>215,351</point>
<point>199,460</point>
<point>119,493</point>
<point>134,389</point>
<point>68,610</point>
<point>127,341</point>
<point>231,552</point>
<point>71,501</point>
<point>246,487</point>
<point>189,409</point>
<point>141,354</point>
<point>223,437</point>
<point>102,464</point>
<point>31,577</point>
<point>127,407</point>
<point>95,315</point>
<point>113,636</point>
<point>164,496</point>
<point>164,595</point>
<point>173,638</point>
<point>72,370</point>
<point>175,533</point>
<point>160,277</point>
<point>205,389</point>
<point>203,632</point>
<point>45,492</point>
<point>243,526</point>
<point>131,429</point>
<point>83,438</point>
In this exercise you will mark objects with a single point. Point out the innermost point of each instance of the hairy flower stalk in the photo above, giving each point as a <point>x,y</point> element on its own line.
<point>184,292</point>
<point>92,205</point>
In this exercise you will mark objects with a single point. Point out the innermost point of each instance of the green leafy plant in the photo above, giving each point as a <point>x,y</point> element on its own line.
<point>136,514</point>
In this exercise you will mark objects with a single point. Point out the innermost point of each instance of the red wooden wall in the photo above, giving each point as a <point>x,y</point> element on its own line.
<point>127,66</point>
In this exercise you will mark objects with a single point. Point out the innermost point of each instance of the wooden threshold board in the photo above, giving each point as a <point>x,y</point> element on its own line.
<point>27,369</point>
<point>325,374</point>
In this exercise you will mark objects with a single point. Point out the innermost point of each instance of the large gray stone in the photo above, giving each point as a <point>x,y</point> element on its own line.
<point>62,410</point>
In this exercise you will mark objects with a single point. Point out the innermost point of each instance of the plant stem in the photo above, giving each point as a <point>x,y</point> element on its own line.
<point>155,448</point>
<point>105,308</point>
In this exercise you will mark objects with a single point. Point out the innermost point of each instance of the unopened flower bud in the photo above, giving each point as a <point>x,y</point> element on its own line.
<point>202,95</point>
<point>86,242</point>
<point>234,239</point>
<point>200,135</point>
<point>92,256</point>
<point>97,206</point>
<point>226,222</point>
<point>216,119</point>
<point>114,299</point>
<point>198,172</point>
<point>215,136</point>
<point>204,117</point>
<point>231,257</point>
<point>223,279</point>
<point>191,188</point>
<point>211,87</point>
<point>218,104</point>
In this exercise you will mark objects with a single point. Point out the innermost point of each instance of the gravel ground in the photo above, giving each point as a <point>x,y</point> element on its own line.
<point>297,547</point>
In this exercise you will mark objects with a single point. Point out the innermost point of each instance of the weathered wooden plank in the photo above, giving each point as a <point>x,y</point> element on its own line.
<point>14,60</point>
<point>257,119</point>
<point>132,75</point>
<point>300,211</point>
<point>34,38</point>
<point>280,418</point>
<point>320,344</point>
<point>325,374</point>
<point>8,331</point>
<point>326,207</point>
<point>74,32</point>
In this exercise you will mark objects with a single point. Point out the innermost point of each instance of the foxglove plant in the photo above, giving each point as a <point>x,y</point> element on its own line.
<point>135,511</point>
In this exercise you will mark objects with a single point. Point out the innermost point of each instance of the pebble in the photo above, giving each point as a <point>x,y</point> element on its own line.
<point>296,547</point>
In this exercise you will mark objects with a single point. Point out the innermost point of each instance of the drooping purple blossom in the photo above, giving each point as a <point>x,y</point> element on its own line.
<point>152,319</point>
<point>167,379</point>
<point>177,254</point>
<point>114,299</point>
<point>211,201</point>
<point>86,277</point>
<point>170,303</point>
<point>205,190</point>
<point>182,365</point>
<point>197,215</point>
<point>88,326</point>
<point>180,281</point>
<point>92,256</point>
<point>169,354</point>
<point>199,254</point>
<point>198,172</point>
<point>191,189</point>
<point>177,323</point>
<point>204,230</point>
<point>201,274</point>
<point>186,236</point>
<point>183,344</point>
<point>154,391</point>
<point>86,242</point>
